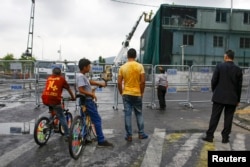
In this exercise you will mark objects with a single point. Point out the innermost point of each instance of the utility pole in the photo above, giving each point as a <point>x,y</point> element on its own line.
<point>29,49</point>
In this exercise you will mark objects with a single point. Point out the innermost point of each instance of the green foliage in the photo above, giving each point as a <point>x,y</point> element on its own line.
<point>9,56</point>
<point>101,60</point>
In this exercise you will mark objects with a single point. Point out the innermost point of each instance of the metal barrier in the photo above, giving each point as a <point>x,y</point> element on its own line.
<point>178,83</point>
<point>200,83</point>
<point>245,92</point>
<point>17,81</point>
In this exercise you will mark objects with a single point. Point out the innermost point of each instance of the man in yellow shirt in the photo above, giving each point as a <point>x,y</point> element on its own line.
<point>133,75</point>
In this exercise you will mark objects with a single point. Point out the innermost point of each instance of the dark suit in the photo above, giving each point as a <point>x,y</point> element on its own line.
<point>226,85</point>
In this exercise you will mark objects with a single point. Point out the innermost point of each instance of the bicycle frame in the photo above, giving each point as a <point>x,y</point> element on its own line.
<point>44,126</point>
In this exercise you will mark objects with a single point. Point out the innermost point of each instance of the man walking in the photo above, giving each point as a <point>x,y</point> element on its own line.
<point>226,85</point>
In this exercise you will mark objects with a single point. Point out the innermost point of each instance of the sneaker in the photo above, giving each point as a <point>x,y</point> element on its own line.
<point>105,144</point>
<point>128,138</point>
<point>210,140</point>
<point>143,136</point>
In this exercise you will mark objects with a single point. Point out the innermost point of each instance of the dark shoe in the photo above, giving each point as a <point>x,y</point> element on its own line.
<point>128,138</point>
<point>225,140</point>
<point>88,142</point>
<point>105,144</point>
<point>143,136</point>
<point>207,139</point>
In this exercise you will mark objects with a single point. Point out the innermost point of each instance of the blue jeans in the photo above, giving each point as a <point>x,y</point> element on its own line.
<point>133,103</point>
<point>61,117</point>
<point>95,119</point>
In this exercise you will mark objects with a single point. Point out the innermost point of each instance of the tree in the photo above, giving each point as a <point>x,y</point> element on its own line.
<point>102,60</point>
<point>9,56</point>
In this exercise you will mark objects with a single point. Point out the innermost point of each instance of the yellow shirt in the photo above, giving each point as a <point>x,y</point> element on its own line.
<point>131,72</point>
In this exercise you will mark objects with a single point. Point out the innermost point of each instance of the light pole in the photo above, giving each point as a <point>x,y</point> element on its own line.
<point>182,53</point>
<point>42,44</point>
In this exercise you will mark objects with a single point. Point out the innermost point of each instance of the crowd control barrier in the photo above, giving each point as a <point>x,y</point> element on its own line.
<point>17,81</point>
<point>178,84</point>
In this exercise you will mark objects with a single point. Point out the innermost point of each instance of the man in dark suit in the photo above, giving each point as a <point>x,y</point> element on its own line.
<point>226,85</point>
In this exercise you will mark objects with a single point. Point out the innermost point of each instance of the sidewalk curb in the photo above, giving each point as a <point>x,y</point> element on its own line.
<point>243,122</point>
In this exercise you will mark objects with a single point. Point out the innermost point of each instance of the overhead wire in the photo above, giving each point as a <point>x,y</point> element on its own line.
<point>133,3</point>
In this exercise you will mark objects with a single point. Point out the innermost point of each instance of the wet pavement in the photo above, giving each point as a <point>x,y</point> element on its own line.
<point>174,136</point>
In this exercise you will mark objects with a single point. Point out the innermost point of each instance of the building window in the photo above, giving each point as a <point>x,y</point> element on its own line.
<point>242,64</point>
<point>246,18</point>
<point>244,42</point>
<point>188,62</point>
<point>218,41</point>
<point>216,62</point>
<point>221,16</point>
<point>188,39</point>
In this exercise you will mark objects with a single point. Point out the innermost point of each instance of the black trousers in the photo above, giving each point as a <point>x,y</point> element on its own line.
<point>215,117</point>
<point>161,92</point>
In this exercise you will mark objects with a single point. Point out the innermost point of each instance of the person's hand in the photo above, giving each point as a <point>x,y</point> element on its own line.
<point>73,99</point>
<point>94,97</point>
<point>103,84</point>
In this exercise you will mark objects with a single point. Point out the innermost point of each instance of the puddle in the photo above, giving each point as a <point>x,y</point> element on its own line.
<point>17,128</point>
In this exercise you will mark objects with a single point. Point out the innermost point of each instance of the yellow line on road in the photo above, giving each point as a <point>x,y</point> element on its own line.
<point>202,162</point>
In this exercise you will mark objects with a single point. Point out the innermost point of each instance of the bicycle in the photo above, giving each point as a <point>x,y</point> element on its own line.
<point>82,131</point>
<point>44,126</point>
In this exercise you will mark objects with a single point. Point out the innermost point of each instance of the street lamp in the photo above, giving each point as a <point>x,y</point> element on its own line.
<point>182,53</point>
<point>42,44</point>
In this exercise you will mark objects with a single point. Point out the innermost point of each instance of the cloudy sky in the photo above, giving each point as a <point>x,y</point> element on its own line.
<point>81,28</point>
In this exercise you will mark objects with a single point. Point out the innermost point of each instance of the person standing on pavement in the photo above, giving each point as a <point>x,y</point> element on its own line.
<point>226,86</point>
<point>162,85</point>
<point>83,84</point>
<point>52,95</point>
<point>133,75</point>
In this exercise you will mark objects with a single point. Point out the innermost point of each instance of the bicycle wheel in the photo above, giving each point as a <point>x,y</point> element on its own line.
<point>69,118</point>
<point>42,131</point>
<point>76,137</point>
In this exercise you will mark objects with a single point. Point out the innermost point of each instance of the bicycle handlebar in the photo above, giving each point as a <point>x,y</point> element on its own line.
<point>67,99</point>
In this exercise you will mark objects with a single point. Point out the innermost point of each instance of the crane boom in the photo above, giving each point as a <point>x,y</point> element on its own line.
<point>121,57</point>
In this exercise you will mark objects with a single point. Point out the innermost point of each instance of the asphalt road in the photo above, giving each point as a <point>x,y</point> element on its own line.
<point>174,136</point>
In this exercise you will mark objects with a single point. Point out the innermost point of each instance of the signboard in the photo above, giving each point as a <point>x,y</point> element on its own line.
<point>15,66</point>
<point>204,70</point>
<point>16,87</point>
<point>172,71</point>
<point>97,68</point>
<point>172,90</point>
<point>204,89</point>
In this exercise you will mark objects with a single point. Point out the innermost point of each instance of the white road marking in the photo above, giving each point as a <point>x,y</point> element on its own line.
<point>89,150</point>
<point>13,154</point>
<point>153,153</point>
<point>219,146</point>
<point>185,151</point>
<point>239,142</point>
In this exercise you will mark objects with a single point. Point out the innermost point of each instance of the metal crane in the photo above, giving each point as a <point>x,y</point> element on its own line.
<point>121,57</point>
<point>29,49</point>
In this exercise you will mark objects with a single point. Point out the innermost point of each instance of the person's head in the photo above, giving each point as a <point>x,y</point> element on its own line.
<point>84,65</point>
<point>161,69</point>
<point>56,71</point>
<point>131,53</point>
<point>229,55</point>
